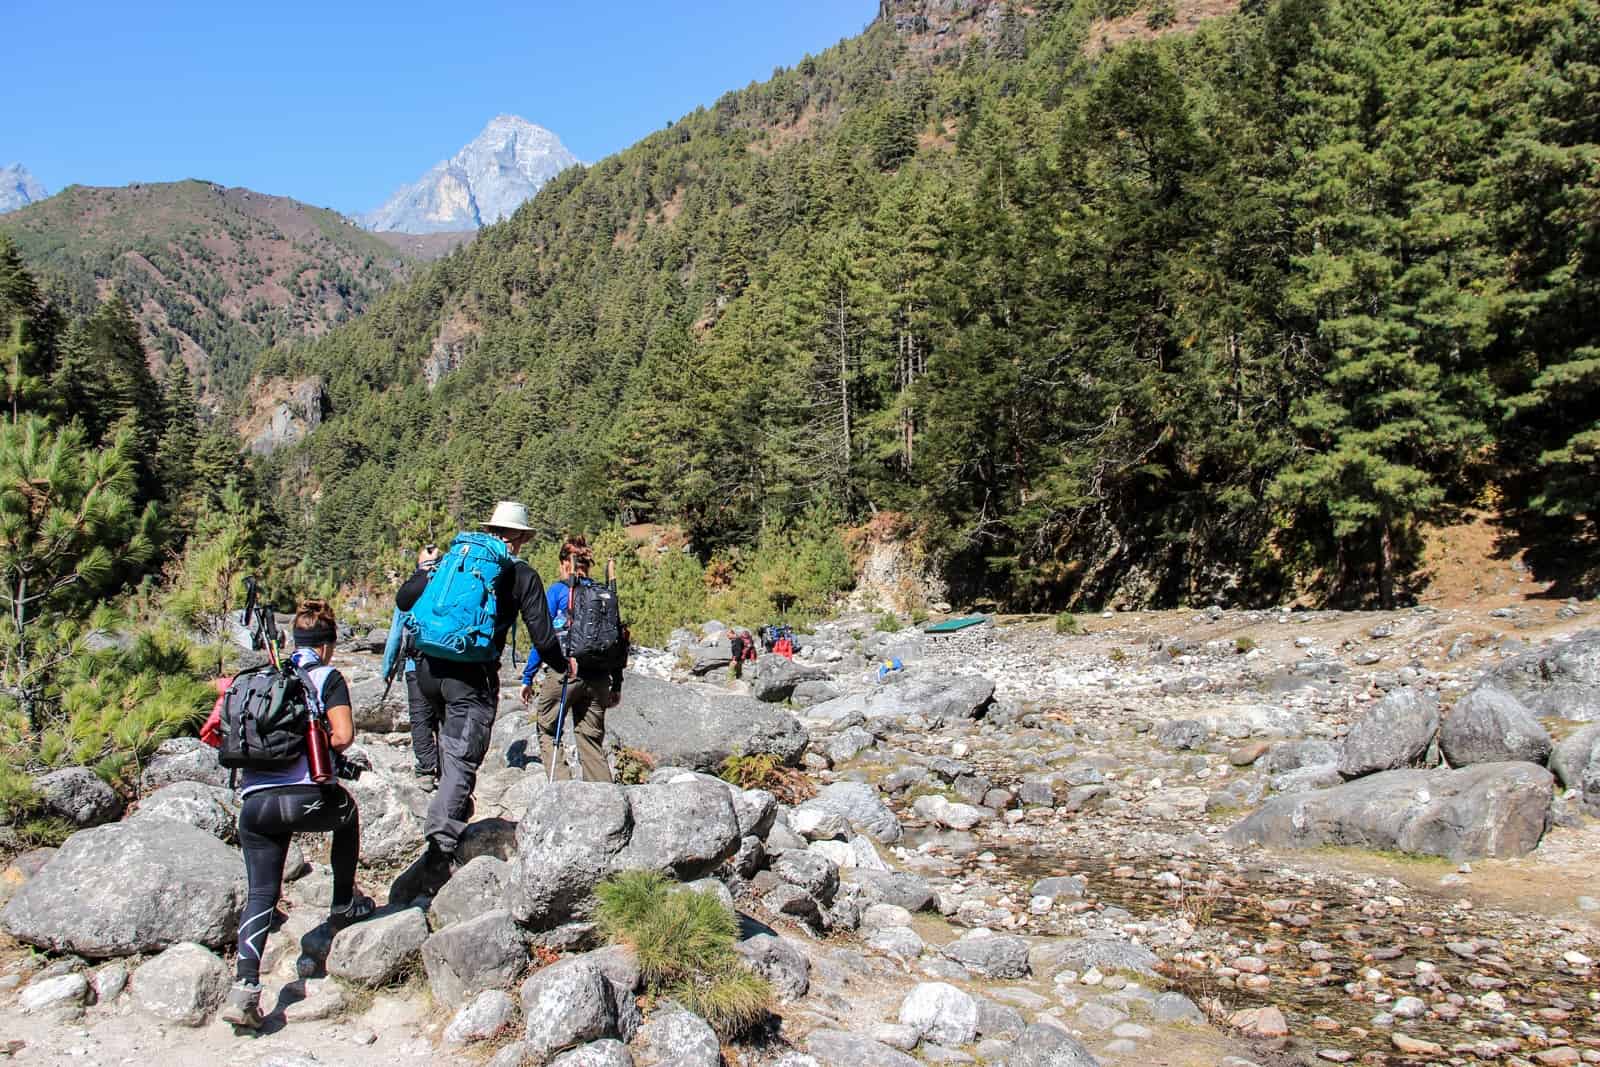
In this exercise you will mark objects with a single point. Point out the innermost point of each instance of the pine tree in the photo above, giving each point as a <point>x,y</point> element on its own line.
<point>180,434</point>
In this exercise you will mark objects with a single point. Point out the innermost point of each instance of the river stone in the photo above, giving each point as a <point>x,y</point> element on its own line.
<point>755,809</point>
<point>183,985</point>
<point>835,1048</point>
<point>779,962</point>
<point>565,846</point>
<point>183,759</point>
<point>1104,954</point>
<point>999,1020</point>
<point>707,656</point>
<point>205,807</point>
<point>488,1013</point>
<point>700,726</point>
<point>816,874</point>
<point>1573,753</point>
<point>1063,887</point>
<point>937,697</point>
<point>59,991</point>
<point>849,744</point>
<point>1042,1045</point>
<point>775,677</point>
<point>940,1012</point>
<point>1181,734</point>
<point>484,952</point>
<point>991,955</point>
<point>1288,756</point>
<point>1561,680</point>
<point>478,887</point>
<point>862,805</point>
<point>565,1004</point>
<point>129,888</point>
<point>891,887</point>
<point>78,795</point>
<point>606,1053</point>
<point>1395,732</point>
<point>685,829</point>
<point>819,824</point>
<point>676,1039</point>
<point>1489,725</point>
<point>1489,809</point>
<point>379,950</point>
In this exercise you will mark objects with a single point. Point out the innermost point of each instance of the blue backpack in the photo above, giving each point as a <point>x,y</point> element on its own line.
<point>455,615</point>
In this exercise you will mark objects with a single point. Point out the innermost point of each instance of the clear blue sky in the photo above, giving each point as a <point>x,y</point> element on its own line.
<point>339,102</point>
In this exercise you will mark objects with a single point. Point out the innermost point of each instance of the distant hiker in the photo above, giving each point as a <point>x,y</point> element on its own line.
<point>462,606</point>
<point>424,723</point>
<point>283,802</point>
<point>743,647</point>
<point>597,644</point>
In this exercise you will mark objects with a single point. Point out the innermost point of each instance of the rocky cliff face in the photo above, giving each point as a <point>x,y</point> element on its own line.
<point>484,182</point>
<point>18,188</point>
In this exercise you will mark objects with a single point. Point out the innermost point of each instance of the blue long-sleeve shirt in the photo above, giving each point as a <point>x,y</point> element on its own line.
<point>556,596</point>
<point>391,649</point>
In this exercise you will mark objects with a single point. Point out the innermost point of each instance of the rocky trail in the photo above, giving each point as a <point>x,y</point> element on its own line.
<point>1182,838</point>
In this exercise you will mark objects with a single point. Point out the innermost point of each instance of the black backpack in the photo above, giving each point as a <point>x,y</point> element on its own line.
<point>594,624</point>
<point>265,716</point>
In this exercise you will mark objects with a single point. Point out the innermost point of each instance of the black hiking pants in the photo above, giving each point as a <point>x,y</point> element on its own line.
<point>268,820</point>
<point>424,728</point>
<point>464,697</point>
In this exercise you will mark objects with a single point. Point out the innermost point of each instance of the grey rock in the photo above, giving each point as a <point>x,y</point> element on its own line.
<point>863,806</point>
<point>565,845</point>
<point>1394,733</point>
<point>1070,887</point>
<point>565,1004</point>
<point>676,1039</point>
<point>205,807</point>
<point>1181,734</point>
<point>485,952</point>
<point>816,874</point>
<point>709,656</point>
<point>478,887</point>
<point>53,993</point>
<point>750,858</point>
<point>1489,725</point>
<point>183,759</point>
<point>809,693</point>
<point>1561,680</point>
<point>183,985</point>
<point>835,1048</point>
<point>128,888</point>
<point>515,1054</point>
<point>379,950</point>
<point>779,962</point>
<point>1304,779</point>
<point>972,787</point>
<point>794,902</point>
<point>686,829</point>
<point>991,955</point>
<point>391,828</point>
<point>940,1012</point>
<point>755,809</point>
<point>78,795</point>
<point>109,981</point>
<point>1176,1008</point>
<point>892,887</point>
<point>1574,753</point>
<point>849,744</point>
<point>904,1038</point>
<point>999,1020</point>
<point>486,1016</point>
<point>1046,1046</point>
<point>1292,755</point>
<point>700,726</point>
<point>775,677</point>
<point>1105,954</point>
<point>1490,809</point>
<point>605,1053</point>
<point>1036,793</point>
<point>901,942</point>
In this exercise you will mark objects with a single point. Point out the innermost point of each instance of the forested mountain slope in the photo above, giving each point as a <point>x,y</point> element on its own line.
<point>1205,317</point>
<point>213,275</point>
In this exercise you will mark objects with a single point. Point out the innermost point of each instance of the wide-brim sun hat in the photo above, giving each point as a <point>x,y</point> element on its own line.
<point>508,515</point>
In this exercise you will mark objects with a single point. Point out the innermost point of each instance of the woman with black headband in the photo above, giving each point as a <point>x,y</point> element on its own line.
<point>279,804</point>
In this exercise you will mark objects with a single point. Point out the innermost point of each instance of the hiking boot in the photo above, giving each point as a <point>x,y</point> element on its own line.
<point>425,877</point>
<point>243,1006</point>
<point>427,781</point>
<point>359,908</point>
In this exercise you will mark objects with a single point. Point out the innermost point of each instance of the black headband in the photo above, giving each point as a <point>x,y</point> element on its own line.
<point>315,636</point>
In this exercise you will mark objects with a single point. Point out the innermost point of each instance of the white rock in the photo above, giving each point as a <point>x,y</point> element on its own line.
<point>940,1012</point>
<point>62,990</point>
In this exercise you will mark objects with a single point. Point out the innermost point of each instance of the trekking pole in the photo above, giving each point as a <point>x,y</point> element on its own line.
<point>561,715</point>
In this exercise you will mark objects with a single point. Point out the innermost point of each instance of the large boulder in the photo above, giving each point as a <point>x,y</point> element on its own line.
<point>486,952</point>
<point>566,1004</point>
<point>1395,732</point>
<point>576,833</point>
<point>1576,764</point>
<point>711,655</point>
<point>392,809</point>
<point>1561,680</point>
<point>376,952</point>
<point>836,1048</point>
<point>940,1012</point>
<point>183,759</point>
<point>183,985</point>
<point>779,962</point>
<point>1489,725</point>
<point>936,697</point>
<point>78,795</point>
<point>775,677</point>
<point>1490,809</point>
<point>860,803</point>
<point>1042,1045</point>
<point>477,887</point>
<point>699,726</point>
<point>205,807</point>
<point>131,887</point>
<point>676,1039</point>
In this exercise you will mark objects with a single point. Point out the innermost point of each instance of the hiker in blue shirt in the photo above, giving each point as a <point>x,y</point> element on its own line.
<point>557,596</point>
<point>424,723</point>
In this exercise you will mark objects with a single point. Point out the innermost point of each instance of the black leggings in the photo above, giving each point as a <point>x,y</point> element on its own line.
<point>267,822</point>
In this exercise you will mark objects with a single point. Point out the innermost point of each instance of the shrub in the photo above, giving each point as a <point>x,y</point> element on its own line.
<point>684,940</point>
<point>1067,623</point>
<point>1118,656</point>
<point>889,623</point>
<point>763,771</point>
<point>634,765</point>
<point>1243,645</point>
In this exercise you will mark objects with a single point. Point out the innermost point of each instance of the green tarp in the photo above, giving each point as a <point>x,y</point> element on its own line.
<point>950,626</point>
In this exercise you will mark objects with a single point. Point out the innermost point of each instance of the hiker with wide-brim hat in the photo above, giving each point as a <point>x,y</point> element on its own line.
<point>459,647</point>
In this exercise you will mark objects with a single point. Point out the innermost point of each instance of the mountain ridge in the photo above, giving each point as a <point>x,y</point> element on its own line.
<point>489,178</point>
<point>18,188</point>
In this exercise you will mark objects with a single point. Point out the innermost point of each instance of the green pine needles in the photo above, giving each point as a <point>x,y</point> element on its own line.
<point>684,943</point>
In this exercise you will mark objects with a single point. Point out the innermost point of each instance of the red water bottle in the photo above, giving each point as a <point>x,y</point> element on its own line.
<point>319,752</point>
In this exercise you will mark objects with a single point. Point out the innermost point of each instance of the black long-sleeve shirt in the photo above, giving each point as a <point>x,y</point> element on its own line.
<point>518,589</point>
